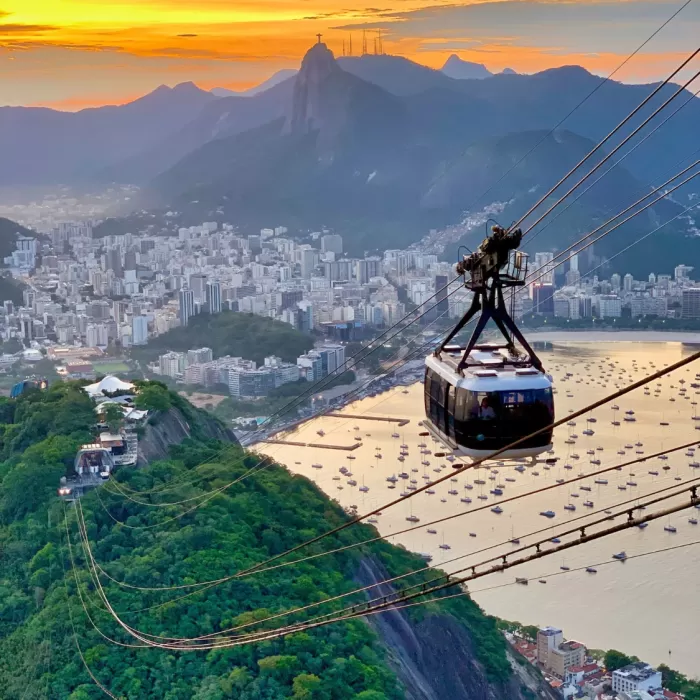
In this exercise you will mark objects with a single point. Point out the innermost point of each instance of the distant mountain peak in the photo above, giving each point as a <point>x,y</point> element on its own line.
<point>318,65</point>
<point>185,87</point>
<point>509,71</point>
<point>459,69</point>
<point>319,59</point>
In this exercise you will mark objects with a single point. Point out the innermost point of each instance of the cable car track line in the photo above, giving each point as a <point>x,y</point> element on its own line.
<point>600,402</point>
<point>263,636</point>
<point>564,119</point>
<point>612,167</point>
<point>611,154</point>
<point>600,144</point>
<point>389,581</point>
<point>205,497</point>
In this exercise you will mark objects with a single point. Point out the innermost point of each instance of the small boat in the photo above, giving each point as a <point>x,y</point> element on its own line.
<point>654,473</point>
<point>601,482</point>
<point>522,581</point>
<point>620,556</point>
<point>548,513</point>
<point>426,557</point>
<point>693,521</point>
<point>641,526</point>
<point>497,510</point>
<point>565,568</point>
<point>430,492</point>
<point>497,492</point>
<point>413,519</point>
<point>591,570</point>
<point>586,488</point>
<point>364,489</point>
<point>445,546</point>
<point>569,506</point>
<point>555,540</point>
<point>588,504</point>
<point>670,528</point>
<point>472,534</point>
<point>431,531</point>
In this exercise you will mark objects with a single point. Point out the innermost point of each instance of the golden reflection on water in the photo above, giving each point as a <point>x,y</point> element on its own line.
<point>647,606</point>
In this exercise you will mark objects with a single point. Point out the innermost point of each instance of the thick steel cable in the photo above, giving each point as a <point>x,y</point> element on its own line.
<point>630,207</point>
<point>600,402</point>
<point>427,567</point>
<point>206,497</point>
<point>368,350</point>
<point>438,521</point>
<point>564,119</point>
<point>210,495</point>
<point>612,153</point>
<point>329,377</point>
<point>583,411</point>
<point>632,522</point>
<point>634,243</point>
<point>608,137</point>
<point>588,515</point>
<point>612,167</point>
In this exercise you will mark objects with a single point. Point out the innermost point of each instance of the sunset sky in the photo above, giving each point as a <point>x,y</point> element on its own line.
<point>70,54</point>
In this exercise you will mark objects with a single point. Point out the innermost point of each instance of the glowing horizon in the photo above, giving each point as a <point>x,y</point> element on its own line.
<point>71,54</point>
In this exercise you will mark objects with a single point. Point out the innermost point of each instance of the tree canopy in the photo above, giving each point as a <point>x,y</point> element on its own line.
<point>229,333</point>
<point>42,618</point>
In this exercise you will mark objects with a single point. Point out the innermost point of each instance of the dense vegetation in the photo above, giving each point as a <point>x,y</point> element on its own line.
<point>11,290</point>
<point>239,335</point>
<point>40,606</point>
<point>9,230</point>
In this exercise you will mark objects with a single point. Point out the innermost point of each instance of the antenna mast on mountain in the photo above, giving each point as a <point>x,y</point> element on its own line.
<point>364,42</point>
<point>343,47</point>
<point>379,42</point>
<point>350,44</point>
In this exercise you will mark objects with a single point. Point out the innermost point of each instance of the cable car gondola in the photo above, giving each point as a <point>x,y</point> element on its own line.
<point>480,398</point>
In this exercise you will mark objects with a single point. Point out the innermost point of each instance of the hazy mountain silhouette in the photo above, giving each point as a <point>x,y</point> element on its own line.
<point>459,69</point>
<point>47,146</point>
<point>276,79</point>
<point>383,169</point>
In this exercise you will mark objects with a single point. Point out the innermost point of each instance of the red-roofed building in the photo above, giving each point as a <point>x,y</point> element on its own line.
<point>578,674</point>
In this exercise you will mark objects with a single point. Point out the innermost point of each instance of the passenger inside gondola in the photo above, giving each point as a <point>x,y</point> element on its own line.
<point>486,412</point>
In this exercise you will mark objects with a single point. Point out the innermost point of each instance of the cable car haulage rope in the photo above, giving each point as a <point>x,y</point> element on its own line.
<point>481,397</point>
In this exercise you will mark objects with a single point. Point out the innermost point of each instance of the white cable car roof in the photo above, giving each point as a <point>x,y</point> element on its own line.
<point>489,370</point>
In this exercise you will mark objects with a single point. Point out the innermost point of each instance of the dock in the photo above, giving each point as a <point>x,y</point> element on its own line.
<point>399,421</point>
<point>293,443</point>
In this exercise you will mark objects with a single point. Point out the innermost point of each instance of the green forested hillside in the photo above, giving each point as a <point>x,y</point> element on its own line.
<point>229,333</point>
<point>42,618</point>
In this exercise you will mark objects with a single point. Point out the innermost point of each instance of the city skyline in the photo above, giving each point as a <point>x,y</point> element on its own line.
<point>79,53</point>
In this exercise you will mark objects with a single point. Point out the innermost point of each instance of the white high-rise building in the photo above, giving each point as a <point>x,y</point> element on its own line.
<point>544,267</point>
<point>139,330</point>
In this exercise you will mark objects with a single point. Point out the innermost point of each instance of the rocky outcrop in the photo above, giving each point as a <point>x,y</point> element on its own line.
<point>171,427</point>
<point>435,659</point>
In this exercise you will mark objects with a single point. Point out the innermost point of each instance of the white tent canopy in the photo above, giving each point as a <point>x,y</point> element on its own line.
<point>107,385</point>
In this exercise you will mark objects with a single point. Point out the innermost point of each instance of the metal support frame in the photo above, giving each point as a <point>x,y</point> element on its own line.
<point>490,302</point>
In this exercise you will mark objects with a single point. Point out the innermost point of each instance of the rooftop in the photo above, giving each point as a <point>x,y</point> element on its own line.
<point>638,671</point>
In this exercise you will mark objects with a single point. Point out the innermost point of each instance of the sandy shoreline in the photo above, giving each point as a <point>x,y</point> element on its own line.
<point>587,336</point>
